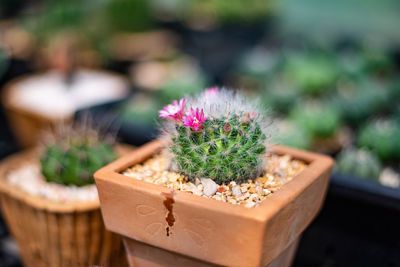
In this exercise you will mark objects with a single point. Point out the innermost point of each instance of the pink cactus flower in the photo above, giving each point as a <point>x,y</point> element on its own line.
<point>211,92</point>
<point>253,115</point>
<point>194,119</point>
<point>174,110</point>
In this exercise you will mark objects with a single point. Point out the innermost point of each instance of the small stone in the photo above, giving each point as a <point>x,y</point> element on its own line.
<point>221,189</point>
<point>279,170</point>
<point>250,204</point>
<point>266,192</point>
<point>236,191</point>
<point>389,178</point>
<point>210,187</point>
<point>232,201</point>
<point>252,190</point>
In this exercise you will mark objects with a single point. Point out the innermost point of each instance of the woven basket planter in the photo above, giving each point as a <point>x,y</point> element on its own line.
<point>27,124</point>
<point>56,234</point>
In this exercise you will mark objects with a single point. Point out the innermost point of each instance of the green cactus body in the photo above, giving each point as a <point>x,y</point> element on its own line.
<point>321,120</point>
<point>358,100</point>
<point>361,163</point>
<point>383,137</point>
<point>280,95</point>
<point>75,164</point>
<point>226,149</point>
<point>313,74</point>
<point>291,135</point>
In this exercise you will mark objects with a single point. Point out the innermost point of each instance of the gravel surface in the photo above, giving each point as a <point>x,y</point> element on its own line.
<point>29,179</point>
<point>279,170</point>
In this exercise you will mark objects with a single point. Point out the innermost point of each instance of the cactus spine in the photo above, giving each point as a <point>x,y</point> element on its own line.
<point>229,145</point>
<point>72,160</point>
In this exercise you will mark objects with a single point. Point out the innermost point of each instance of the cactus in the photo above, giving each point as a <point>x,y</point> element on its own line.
<point>224,140</point>
<point>291,135</point>
<point>359,162</point>
<point>321,120</point>
<point>359,99</point>
<point>313,74</point>
<point>382,136</point>
<point>72,159</point>
<point>280,95</point>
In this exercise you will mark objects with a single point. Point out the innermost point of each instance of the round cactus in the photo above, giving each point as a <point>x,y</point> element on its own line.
<point>359,99</point>
<point>382,136</point>
<point>319,119</point>
<point>290,134</point>
<point>280,95</point>
<point>72,160</point>
<point>361,163</point>
<point>223,140</point>
<point>313,74</point>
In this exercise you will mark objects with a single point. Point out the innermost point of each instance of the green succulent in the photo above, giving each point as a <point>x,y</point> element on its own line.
<point>230,11</point>
<point>257,63</point>
<point>222,136</point>
<point>186,78</point>
<point>313,74</point>
<point>321,120</point>
<point>382,137</point>
<point>175,87</point>
<point>359,162</point>
<point>73,161</point>
<point>377,62</point>
<point>228,149</point>
<point>289,134</point>
<point>280,95</point>
<point>360,99</point>
<point>141,108</point>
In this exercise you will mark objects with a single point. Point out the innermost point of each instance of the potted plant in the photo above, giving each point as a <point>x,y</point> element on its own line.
<point>50,202</point>
<point>211,191</point>
<point>322,121</point>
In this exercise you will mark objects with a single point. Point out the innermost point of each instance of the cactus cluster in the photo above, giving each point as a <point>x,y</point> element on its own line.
<point>312,74</point>
<point>382,136</point>
<point>222,136</point>
<point>358,99</point>
<point>319,119</point>
<point>359,162</point>
<point>72,159</point>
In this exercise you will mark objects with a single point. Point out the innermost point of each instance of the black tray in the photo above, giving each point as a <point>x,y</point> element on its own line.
<point>365,190</point>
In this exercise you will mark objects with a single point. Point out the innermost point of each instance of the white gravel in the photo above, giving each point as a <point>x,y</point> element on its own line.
<point>29,179</point>
<point>209,186</point>
<point>389,178</point>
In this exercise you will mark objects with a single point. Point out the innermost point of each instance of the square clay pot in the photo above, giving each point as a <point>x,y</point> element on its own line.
<point>209,230</point>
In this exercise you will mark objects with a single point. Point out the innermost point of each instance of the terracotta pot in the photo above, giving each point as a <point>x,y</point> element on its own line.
<point>207,231</point>
<point>26,125</point>
<point>50,233</point>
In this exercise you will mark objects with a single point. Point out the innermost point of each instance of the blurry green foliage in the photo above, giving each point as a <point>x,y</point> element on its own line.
<point>359,99</point>
<point>359,162</point>
<point>128,15</point>
<point>320,119</point>
<point>313,74</point>
<point>290,134</point>
<point>325,21</point>
<point>382,137</point>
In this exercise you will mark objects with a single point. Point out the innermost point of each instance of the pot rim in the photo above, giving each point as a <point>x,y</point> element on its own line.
<point>317,164</point>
